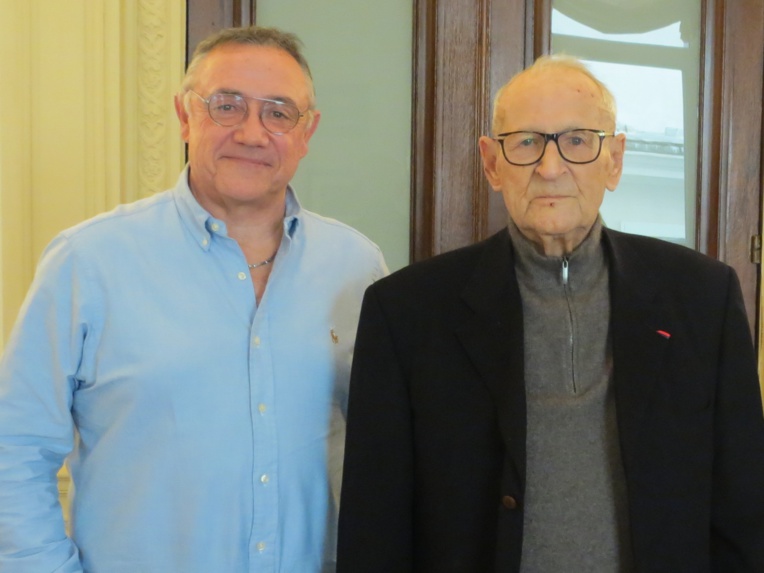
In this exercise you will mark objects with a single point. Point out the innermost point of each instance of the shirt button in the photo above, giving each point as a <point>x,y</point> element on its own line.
<point>214,226</point>
<point>264,479</point>
<point>256,341</point>
<point>262,408</point>
<point>261,546</point>
<point>205,242</point>
<point>242,276</point>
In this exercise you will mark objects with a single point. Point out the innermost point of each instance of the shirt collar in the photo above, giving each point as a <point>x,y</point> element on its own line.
<point>292,214</point>
<point>202,225</point>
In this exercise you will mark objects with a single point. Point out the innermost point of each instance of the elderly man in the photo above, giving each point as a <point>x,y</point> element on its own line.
<point>560,397</point>
<point>189,353</point>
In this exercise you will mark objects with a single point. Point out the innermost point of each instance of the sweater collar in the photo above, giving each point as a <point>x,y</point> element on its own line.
<point>583,265</point>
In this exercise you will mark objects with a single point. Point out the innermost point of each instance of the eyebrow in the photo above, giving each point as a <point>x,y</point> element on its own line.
<point>278,98</point>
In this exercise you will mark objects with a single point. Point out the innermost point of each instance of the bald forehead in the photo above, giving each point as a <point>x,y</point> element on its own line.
<point>549,84</point>
<point>532,81</point>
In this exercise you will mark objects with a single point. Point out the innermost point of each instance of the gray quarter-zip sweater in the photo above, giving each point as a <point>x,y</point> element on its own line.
<point>576,517</point>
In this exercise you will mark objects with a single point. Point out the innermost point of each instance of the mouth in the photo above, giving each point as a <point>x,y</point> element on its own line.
<point>549,200</point>
<point>248,160</point>
<point>551,197</point>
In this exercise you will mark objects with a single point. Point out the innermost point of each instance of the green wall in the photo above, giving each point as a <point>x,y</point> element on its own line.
<point>358,167</point>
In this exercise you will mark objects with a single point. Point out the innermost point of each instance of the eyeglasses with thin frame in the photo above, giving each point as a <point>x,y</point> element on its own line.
<point>579,146</point>
<point>231,110</point>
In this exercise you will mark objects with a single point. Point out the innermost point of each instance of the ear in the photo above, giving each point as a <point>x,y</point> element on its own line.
<point>617,146</point>
<point>310,129</point>
<point>182,113</point>
<point>490,152</point>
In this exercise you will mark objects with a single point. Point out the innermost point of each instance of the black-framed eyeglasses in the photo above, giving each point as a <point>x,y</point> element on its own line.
<point>577,146</point>
<point>231,110</point>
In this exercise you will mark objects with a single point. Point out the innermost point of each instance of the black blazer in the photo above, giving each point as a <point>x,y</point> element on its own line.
<point>435,453</point>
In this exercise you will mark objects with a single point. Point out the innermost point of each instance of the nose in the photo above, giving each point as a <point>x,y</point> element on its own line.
<point>251,131</point>
<point>551,165</point>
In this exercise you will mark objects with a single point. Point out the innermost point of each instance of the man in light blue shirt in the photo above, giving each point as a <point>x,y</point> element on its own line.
<point>188,354</point>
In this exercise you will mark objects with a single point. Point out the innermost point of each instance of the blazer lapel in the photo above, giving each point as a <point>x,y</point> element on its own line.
<point>491,333</point>
<point>641,332</point>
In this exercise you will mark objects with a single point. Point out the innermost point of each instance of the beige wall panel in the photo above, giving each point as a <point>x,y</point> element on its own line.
<point>15,158</point>
<point>58,119</point>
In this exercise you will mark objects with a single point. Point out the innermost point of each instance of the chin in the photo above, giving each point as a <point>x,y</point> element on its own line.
<point>555,225</point>
<point>238,192</point>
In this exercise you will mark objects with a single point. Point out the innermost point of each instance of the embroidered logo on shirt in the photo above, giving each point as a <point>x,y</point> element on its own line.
<point>335,338</point>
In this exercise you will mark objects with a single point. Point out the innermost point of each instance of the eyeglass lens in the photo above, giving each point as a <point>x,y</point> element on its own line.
<point>575,146</point>
<point>231,109</point>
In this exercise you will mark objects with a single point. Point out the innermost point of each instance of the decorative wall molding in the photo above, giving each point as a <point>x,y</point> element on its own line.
<point>154,69</point>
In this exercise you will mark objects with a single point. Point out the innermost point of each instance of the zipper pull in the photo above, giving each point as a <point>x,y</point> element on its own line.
<point>564,271</point>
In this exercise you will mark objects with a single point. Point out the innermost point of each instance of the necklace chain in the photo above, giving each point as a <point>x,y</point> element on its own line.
<point>267,261</point>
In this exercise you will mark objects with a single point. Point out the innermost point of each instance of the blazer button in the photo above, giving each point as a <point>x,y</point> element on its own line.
<point>509,502</point>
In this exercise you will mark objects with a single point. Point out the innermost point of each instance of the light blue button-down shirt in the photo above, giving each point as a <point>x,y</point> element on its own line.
<point>209,430</point>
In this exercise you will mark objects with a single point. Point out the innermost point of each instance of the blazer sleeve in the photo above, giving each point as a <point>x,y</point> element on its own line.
<point>376,511</point>
<point>737,510</point>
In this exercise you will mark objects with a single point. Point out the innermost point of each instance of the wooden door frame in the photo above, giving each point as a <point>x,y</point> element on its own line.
<point>203,17</point>
<point>455,45</point>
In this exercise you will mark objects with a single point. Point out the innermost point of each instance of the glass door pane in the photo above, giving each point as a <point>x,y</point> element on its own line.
<point>648,53</point>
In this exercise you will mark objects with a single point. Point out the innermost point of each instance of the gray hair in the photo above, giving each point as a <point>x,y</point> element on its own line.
<point>253,36</point>
<point>556,62</point>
